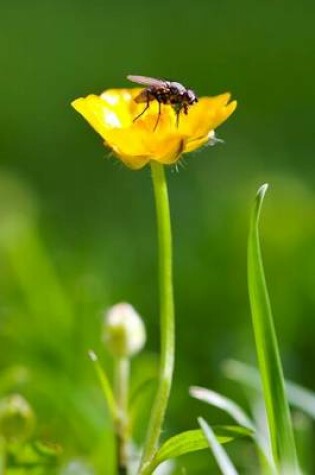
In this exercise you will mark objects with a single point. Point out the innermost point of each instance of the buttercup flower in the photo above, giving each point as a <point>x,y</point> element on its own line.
<point>138,142</point>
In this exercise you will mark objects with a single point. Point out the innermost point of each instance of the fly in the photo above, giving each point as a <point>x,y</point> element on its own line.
<point>164,92</point>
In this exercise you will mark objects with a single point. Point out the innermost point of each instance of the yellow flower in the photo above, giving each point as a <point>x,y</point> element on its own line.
<point>138,142</point>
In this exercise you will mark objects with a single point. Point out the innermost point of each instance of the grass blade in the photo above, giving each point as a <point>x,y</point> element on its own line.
<point>220,455</point>
<point>105,385</point>
<point>277,408</point>
<point>230,407</point>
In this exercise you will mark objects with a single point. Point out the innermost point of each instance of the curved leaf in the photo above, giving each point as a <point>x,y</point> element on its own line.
<point>194,440</point>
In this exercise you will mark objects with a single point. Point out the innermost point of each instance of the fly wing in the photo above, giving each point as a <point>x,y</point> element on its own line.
<point>146,81</point>
<point>143,97</point>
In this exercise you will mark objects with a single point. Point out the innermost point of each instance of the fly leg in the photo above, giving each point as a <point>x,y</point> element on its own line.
<point>178,110</point>
<point>183,107</point>
<point>158,117</point>
<point>145,109</point>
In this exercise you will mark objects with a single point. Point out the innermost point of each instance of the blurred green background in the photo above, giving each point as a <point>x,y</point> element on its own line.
<point>77,230</point>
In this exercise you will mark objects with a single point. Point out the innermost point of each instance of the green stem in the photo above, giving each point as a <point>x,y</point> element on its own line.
<point>122,371</point>
<point>167,324</point>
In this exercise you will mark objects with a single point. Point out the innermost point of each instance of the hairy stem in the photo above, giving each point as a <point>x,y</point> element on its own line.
<point>167,324</point>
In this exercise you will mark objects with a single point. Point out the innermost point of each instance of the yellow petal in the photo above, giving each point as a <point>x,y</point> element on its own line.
<point>134,146</point>
<point>192,145</point>
<point>96,111</point>
<point>204,116</point>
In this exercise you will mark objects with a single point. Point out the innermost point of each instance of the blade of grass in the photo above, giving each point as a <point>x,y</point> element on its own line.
<point>277,408</point>
<point>224,403</point>
<point>105,385</point>
<point>220,455</point>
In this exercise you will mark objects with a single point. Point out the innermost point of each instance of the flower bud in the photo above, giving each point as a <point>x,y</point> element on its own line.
<point>213,139</point>
<point>17,419</point>
<point>123,331</point>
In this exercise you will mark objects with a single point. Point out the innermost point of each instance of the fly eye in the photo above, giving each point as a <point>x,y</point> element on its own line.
<point>191,96</point>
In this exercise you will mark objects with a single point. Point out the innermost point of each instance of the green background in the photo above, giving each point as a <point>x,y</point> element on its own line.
<point>77,228</point>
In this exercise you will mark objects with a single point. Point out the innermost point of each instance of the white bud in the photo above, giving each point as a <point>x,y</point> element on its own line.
<point>123,331</point>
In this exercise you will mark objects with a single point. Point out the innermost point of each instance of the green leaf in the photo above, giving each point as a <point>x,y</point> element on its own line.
<point>220,455</point>
<point>194,440</point>
<point>277,408</point>
<point>105,385</point>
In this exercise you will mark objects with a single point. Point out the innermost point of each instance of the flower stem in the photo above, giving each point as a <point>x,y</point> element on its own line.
<point>167,323</point>
<point>122,385</point>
